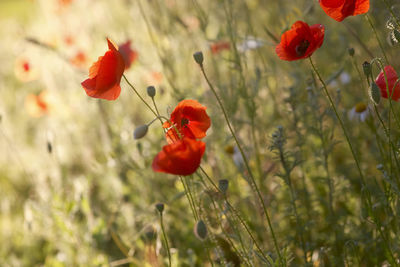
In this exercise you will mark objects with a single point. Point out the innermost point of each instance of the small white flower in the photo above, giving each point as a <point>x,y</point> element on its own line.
<point>359,112</point>
<point>345,78</point>
<point>250,43</point>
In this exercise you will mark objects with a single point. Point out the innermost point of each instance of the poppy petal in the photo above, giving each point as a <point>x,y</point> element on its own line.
<point>180,158</point>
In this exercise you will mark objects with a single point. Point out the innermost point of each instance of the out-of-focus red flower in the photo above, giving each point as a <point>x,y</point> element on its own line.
<point>105,75</point>
<point>190,119</point>
<point>69,40</point>
<point>37,105</point>
<point>24,70</point>
<point>341,9</point>
<point>182,157</point>
<point>393,85</point>
<point>130,55</point>
<point>300,41</point>
<point>64,3</point>
<point>79,60</point>
<point>219,46</point>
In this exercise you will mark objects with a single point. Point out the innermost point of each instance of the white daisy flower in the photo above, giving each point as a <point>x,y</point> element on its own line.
<point>359,112</point>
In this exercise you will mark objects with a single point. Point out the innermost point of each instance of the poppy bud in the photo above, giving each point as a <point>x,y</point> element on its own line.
<point>396,35</point>
<point>367,68</point>
<point>351,51</point>
<point>151,91</point>
<point>223,185</point>
<point>200,230</point>
<point>375,93</point>
<point>140,131</point>
<point>160,207</point>
<point>198,57</point>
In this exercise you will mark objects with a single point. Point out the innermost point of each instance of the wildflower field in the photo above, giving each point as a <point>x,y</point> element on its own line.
<point>199,133</point>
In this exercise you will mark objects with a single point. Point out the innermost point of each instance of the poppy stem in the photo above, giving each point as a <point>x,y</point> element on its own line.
<point>165,238</point>
<point>245,162</point>
<point>377,37</point>
<point>339,119</point>
<point>235,212</point>
<point>141,98</point>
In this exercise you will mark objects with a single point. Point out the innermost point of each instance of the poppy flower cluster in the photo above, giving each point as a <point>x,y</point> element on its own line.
<point>392,85</point>
<point>182,156</point>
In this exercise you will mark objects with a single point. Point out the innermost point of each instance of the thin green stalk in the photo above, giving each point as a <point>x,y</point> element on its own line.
<point>293,202</point>
<point>220,223</point>
<point>165,238</point>
<point>245,162</point>
<point>339,119</point>
<point>235,212</point>
<point>141,98</point>
<point>377,37</point>
<point>190,199</point>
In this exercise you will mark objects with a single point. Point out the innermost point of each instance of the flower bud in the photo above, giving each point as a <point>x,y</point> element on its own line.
<point>223,185</point>
<point>151,91</point>
<point>198,57</point>
<point>160,207</point>
<point>396,35</point>
<point>375,93</point>
<point>140,131</point>
<point>200,230</point>
<point>367,69</point>
<point>351,51</point>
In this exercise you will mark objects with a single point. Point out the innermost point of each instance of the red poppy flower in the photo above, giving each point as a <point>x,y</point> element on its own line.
<point>219,46</point>
<point>341,9</point>
<point>190,119</point>
<point>180,158</point>
<point>105,75</point>
<point>300,41</point>
<point>393,85</point>
<point>128,54</point>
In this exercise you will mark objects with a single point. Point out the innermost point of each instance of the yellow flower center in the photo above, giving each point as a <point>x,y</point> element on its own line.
<point>361,107</point>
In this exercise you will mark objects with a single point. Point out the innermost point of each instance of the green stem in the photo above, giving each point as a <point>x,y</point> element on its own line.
<point>141,98</point>
<point>235,212</point>
<point>339,119</point>
<point>377,38</point>
<point>165,238</point>
<point>245,162</point>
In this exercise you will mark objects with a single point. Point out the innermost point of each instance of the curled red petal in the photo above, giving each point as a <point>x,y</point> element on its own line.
<point>180,158</point>
<point>105,75</point>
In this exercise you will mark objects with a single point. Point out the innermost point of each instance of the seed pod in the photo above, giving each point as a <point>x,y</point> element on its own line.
<point>367,69</point>
<point>223,185</point>
<point>200,230</point>
<point>140,131</point>
<point>375,93</point>
<point>396,35</point>
<point>198,57</point>
<point>351,51</point>
<point>160,207</point>
<point>151,91</point>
